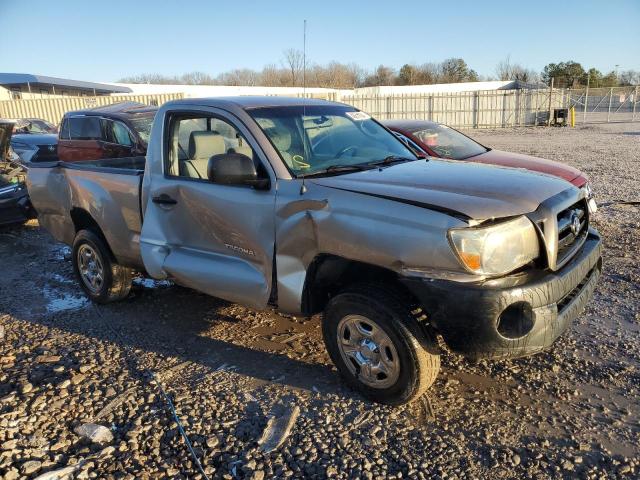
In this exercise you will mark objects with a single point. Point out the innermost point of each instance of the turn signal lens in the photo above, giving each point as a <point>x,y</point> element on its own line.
<point>471,260</point>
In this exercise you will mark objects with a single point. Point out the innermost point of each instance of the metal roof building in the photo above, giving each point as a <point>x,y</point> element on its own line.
<point>25,85</point>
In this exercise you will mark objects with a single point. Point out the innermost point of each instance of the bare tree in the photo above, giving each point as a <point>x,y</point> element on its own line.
<point>293,60</point>
<point>196,78</point>
<point>505,70</point>
<point>629,77</point>
<point>239,77</point>
<point>154,78</point>
<point>382,76</point>
<point>272,76</point>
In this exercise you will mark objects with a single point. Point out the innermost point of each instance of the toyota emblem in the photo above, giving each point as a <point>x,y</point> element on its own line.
<point>575,223</point>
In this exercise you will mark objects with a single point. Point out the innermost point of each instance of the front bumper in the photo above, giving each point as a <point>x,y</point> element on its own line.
<point>511,316</point>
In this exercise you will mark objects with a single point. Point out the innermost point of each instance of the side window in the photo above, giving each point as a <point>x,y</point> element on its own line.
<point>193,140</point>
<point>85,128</point>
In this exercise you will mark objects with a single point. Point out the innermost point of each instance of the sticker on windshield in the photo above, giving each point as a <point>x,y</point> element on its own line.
<point>358,116</point>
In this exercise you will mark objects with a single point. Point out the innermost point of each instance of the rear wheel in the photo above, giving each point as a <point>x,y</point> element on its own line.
<point>101,278</point>
<point>378,346</point>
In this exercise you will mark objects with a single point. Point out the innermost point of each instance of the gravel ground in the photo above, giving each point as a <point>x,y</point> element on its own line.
<point>232,372</point>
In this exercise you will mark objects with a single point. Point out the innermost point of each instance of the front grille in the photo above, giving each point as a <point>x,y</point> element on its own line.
<point>46,153</point>
<point>573,224</point>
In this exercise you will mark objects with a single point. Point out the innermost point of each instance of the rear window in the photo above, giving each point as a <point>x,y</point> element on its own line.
<point>85,128</point>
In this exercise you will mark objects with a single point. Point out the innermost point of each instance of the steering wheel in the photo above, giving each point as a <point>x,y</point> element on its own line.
<point>344,150</point>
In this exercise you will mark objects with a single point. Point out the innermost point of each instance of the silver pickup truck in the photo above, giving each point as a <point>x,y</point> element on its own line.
<point>309,206</point>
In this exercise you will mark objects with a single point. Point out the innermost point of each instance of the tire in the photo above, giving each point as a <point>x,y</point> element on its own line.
<point>408,355</point>
<point>91,256</point>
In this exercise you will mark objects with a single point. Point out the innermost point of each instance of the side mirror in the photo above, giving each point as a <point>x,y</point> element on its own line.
<point>235,169</point>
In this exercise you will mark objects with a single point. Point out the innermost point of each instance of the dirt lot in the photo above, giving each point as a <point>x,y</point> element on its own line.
<point>570,412</point>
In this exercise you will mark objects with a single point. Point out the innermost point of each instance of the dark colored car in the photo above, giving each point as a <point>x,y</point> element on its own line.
<point>15,206</point>
<point>35,147</point>
<point>114,131</point>
<point>33,125</point>
<point>439,140</point>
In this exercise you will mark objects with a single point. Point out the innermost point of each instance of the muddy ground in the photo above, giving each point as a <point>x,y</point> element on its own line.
<point>570,412</point>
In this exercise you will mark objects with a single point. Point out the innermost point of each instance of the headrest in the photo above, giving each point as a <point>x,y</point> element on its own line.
<point>203,145</point>
<point>280,136</point>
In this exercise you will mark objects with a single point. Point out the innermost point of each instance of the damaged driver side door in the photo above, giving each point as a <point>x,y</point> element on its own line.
<point>209,233</point>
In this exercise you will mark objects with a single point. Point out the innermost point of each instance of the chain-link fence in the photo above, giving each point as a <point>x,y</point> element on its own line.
<point>599,105</point>
<point>506,108</point>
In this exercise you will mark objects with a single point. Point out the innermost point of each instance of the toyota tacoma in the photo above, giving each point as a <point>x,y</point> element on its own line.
<point>308,206</point>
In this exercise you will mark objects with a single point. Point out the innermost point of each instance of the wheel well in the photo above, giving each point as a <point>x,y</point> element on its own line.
<point>82,220</point>
<point>327,275</point>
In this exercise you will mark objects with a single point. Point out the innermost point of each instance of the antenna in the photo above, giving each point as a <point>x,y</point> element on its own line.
<point>304,60</point>
<point>303,187</point>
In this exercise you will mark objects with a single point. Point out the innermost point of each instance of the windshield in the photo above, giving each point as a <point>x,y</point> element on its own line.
<point>448,143</point>
<point>142,124</point>
<point>315,138</point>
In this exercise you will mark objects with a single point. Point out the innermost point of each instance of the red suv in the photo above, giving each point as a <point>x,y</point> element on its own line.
<point>439,140</point>
<point>113,131</point>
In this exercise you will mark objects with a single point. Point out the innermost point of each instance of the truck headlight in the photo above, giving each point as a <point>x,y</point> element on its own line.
<point>496,249</point>
<point>591,201</point>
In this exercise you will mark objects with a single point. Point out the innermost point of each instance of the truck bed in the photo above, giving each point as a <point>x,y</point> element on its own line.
<point>68,195</point>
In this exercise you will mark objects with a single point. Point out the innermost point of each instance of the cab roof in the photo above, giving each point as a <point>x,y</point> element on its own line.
<point>250,102</point>
<point>121,109</point>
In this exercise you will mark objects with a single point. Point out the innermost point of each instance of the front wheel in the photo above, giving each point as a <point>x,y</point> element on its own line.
<point>101,278</point>
<point>378,346</point>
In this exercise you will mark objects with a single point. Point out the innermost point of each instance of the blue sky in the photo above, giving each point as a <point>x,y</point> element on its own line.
<point>106,40</point>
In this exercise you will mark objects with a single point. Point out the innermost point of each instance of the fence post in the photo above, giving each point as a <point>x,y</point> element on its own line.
<point>610,100</point>
<point>586,100</point>
<point>550,95</point>
<point>476,107</point>
<point>424,106</point>
<point>635,100</point>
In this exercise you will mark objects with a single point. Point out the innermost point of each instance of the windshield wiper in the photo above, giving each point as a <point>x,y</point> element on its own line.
<point>391,159</point>
<point>338,169</point>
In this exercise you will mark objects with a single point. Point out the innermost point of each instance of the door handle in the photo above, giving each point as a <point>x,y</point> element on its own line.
<point>164,199</point>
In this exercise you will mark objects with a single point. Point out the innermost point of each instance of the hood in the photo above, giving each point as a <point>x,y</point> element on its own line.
<point>517,160</point>
<point>464,189</point>
<point>36,138</point>
<point>6,128</point>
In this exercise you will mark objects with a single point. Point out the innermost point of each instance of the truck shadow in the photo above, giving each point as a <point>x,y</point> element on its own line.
<point>178,323</point>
